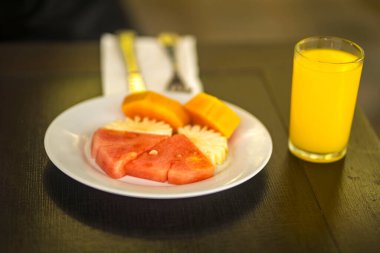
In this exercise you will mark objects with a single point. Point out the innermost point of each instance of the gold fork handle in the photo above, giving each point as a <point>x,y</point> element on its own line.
<point>135,79</point>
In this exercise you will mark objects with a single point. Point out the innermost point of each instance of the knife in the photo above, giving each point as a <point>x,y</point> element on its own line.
<point>127,44</point>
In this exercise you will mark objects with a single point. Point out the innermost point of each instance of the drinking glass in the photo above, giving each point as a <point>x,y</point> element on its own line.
<point>326,76</point>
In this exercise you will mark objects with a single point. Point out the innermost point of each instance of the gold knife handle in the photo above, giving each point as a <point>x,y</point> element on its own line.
<point>135,79</point>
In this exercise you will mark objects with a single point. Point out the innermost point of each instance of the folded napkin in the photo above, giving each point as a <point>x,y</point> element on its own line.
<point>153,62</point>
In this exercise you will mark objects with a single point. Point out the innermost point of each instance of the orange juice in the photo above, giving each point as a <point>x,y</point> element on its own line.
<point>324,90</point>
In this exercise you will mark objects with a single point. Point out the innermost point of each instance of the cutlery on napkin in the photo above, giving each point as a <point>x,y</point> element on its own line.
<point>153,62</point>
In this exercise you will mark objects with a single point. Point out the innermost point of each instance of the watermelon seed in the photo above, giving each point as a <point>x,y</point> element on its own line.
<point>153,152</point>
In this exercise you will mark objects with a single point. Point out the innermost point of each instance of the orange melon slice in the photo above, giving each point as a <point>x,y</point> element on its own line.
<point>155,106</point>
<point>207,110</point>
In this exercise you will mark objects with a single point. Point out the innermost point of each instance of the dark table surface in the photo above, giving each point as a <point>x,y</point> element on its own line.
<point>290,206</point>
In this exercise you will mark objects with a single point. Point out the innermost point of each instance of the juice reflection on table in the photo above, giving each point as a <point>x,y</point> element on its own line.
<point>324,90</point>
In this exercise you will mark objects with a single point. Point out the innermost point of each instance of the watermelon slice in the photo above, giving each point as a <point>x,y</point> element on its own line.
<point>192,167</point>
<point>176,160</point>
<point>113,149</point>
<point>160,158</point>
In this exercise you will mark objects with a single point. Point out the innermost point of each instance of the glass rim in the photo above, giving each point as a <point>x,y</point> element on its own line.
<point>359,58</point>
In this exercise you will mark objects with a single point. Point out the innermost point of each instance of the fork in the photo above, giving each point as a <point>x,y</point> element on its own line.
<point>169,42</point>
<point>134,78</point>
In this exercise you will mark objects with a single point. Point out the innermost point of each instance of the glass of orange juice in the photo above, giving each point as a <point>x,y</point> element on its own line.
<point>326,76</point>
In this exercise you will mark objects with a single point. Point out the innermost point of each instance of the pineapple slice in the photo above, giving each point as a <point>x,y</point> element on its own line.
<point>141,125</point>
<point>212,144</point>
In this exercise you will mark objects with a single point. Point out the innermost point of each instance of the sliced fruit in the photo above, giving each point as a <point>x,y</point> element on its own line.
<point>112,159</point>
<point>207,110</point>
<point>153,164</point>
<point>113,149</point>
<point>190,166</point>
<point>176,160</point>
<point>212,144</point>
<point>155,106</point>
<point>140,125</point>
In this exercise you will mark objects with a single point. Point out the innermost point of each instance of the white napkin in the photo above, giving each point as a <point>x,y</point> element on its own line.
<point>153,62</point>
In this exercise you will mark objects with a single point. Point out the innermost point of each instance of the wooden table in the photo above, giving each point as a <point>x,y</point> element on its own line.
<point>290,206</point>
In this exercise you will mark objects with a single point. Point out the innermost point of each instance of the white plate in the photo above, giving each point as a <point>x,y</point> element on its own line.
<point>68,138</point>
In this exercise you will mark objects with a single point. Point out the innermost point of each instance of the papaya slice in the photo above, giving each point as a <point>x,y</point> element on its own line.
<point>209,111</point>
<point>155,106</point>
